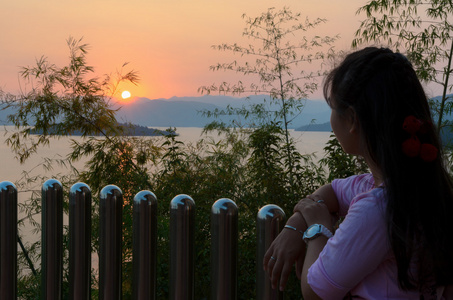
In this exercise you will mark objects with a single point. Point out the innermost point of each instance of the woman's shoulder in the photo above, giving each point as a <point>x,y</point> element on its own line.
<point>353,185</point>
<point>348,188</point>
<point>372,198</point>
<point>365,179</point>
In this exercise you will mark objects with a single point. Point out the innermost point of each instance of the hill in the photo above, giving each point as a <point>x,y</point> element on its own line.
<point>128,130</point>
<point>315,127</point>
<point>186,111</point>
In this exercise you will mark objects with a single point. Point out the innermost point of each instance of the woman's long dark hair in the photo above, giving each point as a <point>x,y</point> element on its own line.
<point>382,88</point>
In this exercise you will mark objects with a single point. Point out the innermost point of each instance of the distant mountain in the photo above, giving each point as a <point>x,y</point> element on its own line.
<point>165,113</point>
<point>315,127</point>
<point>128,130</point>
<point>4,115</point>
<point>186,111</point>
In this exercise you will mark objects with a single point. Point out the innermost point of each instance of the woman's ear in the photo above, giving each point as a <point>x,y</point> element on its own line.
<point>353,121</point>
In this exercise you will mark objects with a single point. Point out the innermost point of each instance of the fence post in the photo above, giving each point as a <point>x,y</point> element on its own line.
<point>8,240</point>
<point>52,239</point>
<point>182,229</point>
<point>224,249</point>
<point>144,245</point>
<point>80,242</point>
<point>110,240</point>
<point>270,222</point>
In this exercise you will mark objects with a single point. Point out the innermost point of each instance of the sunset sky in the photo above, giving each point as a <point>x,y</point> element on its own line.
<point>167,42</point>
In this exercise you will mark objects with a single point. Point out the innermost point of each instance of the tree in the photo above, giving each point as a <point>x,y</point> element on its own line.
<point>339,163</point>
<point>281,63</point>
<point>64,100</point>
<point>426,39</point>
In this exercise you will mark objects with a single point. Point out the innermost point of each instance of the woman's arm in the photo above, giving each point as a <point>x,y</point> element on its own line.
<point>289,246</point>
<point>358,246</point>
<point>314,213</point>
<point>313,250</point>
<point>327,194</point>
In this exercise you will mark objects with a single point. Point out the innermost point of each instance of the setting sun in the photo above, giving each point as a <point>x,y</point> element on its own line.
<point>125,94</point>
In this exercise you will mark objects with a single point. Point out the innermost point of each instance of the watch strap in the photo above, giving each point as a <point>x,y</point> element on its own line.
<point>321,230</point>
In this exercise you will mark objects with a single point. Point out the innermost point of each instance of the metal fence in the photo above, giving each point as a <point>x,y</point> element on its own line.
<point>224,244</point>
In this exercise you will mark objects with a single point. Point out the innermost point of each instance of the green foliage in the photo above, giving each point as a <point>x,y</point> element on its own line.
<point>63,99</point>
<point>426,39</point>
<point>339,163</point>
<point>266,163</point>
<point>278,66</point>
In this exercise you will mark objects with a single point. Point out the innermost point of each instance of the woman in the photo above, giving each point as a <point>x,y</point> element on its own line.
<point>396,240</point>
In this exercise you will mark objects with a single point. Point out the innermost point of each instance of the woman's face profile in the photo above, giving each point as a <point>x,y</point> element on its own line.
<point>344,128</point>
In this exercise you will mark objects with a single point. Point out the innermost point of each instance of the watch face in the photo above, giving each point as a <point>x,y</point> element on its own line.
<point>312,231</point>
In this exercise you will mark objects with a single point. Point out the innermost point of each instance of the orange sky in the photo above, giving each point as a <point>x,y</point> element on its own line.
<point>167,41</point>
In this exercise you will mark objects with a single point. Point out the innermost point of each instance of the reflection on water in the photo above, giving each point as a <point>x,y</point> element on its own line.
<point>12,170</point>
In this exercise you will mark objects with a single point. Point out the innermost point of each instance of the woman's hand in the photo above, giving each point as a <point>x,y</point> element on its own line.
<point>314,211</point>
<point>289,247</point>
<point>284,251</point>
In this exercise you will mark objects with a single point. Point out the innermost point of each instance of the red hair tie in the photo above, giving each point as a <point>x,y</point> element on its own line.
<point>412,147</point>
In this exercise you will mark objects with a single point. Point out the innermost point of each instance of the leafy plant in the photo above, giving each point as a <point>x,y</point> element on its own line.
<point>339,163</point>
<point>277,66</point>
<point>64,100</point>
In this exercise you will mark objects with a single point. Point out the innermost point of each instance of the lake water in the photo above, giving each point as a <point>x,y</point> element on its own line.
<point>12,170</point>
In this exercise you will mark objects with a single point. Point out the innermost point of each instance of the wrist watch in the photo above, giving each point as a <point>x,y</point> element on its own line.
<point>316,230</point>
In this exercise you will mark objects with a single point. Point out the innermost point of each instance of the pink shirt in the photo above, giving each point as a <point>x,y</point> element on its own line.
<point>358,258</point>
